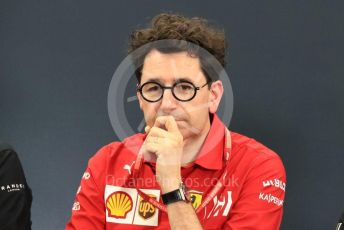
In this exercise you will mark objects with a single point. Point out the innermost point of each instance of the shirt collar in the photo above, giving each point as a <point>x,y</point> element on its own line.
<point>211,153</point>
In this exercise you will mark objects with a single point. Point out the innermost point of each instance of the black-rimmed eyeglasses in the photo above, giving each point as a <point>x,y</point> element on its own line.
<point>181,90</point>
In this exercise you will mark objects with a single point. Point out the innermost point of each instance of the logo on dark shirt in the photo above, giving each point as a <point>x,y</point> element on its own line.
<point>12,187</point>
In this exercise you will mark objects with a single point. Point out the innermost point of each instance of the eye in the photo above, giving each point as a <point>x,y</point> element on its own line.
<point>152,88</point>
<point>184,87</point>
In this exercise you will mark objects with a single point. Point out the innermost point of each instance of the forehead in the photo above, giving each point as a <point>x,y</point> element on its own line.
<point>169,67</point>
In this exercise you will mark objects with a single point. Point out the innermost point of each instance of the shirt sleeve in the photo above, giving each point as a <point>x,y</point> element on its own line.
<point>88,211</point>
<point>260,203</point>
<point>15,194</point>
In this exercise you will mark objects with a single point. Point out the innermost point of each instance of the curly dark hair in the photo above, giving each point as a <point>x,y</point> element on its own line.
<point>188,30</point>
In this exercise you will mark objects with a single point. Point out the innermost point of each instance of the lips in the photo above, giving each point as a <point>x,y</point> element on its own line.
<point>181,123</point>
<point>177,119</point>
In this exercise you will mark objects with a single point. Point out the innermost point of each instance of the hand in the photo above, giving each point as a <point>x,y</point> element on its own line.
<point>167,144</point>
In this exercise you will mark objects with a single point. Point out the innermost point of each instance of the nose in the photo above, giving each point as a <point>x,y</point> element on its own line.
<point>168,102</point>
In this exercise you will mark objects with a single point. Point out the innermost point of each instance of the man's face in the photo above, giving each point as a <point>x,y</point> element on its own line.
<point>192,117</point>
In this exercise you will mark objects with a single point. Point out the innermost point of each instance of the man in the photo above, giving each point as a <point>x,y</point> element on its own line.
<point>15,194</point>
<point>205,176</point>
<point>340,225</point>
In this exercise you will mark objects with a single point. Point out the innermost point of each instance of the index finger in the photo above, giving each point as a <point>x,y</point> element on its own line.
<point>169,122</point>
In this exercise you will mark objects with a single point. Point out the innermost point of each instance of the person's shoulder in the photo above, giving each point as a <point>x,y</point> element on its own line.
<point>6,152</point>
<point>251,157</point>
<point>247,147</point>
<point>112,149</point>
<point>5,146</point>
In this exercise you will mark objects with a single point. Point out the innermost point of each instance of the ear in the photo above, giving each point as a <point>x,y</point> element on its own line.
<point>216,92</point>
<point>138,95</point>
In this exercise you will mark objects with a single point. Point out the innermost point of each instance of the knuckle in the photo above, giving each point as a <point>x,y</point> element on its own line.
<point>179,136</point>
<point>154,130</point>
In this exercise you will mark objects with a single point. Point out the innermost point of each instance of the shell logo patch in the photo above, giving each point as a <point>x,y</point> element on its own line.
<point>119,204</point>
<point>146,209</point>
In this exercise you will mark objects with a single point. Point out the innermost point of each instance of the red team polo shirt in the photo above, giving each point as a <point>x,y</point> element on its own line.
<point>252,197</point>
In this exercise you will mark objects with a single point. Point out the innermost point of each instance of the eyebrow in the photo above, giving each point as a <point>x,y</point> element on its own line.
<point>155,79</point>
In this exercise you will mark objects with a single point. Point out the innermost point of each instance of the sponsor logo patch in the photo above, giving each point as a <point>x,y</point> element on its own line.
<point>76,206</point>
<point>12,187</point>
<point>275,183</point>
<point>222,205</point>
<point>196,198</point>
<point>270,199</point>
<point>119,204</point>
<point>146,209</point>
<point>86,176</point>
<point>126,206</point>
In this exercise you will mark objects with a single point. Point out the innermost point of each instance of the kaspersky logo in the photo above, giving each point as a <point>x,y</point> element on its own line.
<point>146,209</point>
<point>119,204</point>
